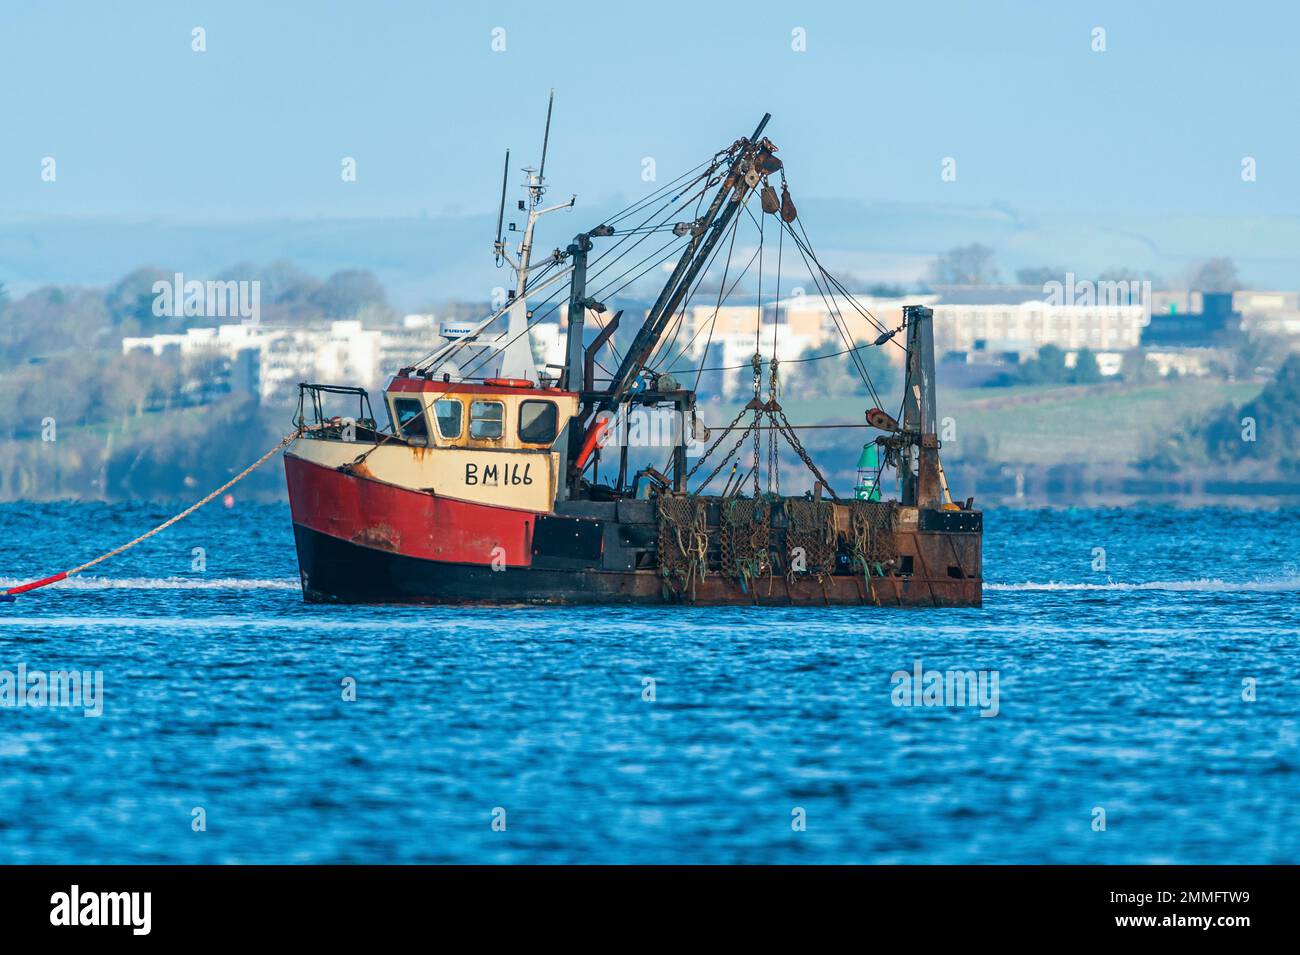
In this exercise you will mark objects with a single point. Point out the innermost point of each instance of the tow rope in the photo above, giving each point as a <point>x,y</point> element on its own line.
<point>8,595</point>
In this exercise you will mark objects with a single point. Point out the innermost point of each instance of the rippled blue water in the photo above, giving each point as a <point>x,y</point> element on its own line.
<point>1119,689</point>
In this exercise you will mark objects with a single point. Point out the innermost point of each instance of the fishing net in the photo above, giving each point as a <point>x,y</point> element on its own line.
<point>746,527</point>
<point>872,538</point>
<point>810,537</point>
<point>683,543</point>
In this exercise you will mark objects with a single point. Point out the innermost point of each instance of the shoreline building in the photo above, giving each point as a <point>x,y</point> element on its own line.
<point>1275,314</point>
<point>269,362</point>
<point>1192,319</point>
<point>1007,325</point>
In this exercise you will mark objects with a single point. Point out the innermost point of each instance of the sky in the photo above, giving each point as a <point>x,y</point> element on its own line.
<point>256,127</point>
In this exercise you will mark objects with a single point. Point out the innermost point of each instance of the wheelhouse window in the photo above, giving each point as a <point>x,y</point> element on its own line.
<point>410,418</point>
<point>447,412</point>
<point>538,421</point>
<point>486,419</point>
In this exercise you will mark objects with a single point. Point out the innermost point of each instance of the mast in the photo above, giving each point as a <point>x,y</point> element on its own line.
<point>573,357</point>
<point>517,355</point>
<point>921,472</point>
<point>693,259</point>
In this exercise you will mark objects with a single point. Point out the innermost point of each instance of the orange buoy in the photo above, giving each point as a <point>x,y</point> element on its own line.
<point>509,382</point>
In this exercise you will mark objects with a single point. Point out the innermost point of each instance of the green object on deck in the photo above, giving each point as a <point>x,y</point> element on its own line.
<point>868,488</point>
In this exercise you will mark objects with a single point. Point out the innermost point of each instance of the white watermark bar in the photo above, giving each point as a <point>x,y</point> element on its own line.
<point>211,299</point>
<point>22,688</point>
<point>922,687</point>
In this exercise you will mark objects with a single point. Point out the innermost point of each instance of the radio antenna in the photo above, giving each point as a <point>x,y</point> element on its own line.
<point>546,137</point>
<point>501,212</point>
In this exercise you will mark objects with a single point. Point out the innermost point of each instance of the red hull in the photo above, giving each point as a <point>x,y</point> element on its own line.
<point>384,517</point>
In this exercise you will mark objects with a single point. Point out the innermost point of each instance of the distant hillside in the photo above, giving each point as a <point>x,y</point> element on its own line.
<point>1254,438</point>
<point>414,258</point>
<point>425,259</point>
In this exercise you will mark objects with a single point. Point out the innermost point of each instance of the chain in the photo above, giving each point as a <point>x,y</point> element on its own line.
<point>787,431</point>
<point>714,446</point>
<point>773,474</point>
<point>757,363</point>
<point>780,423</point>
<point>734,448</point>
<point>773,456</point>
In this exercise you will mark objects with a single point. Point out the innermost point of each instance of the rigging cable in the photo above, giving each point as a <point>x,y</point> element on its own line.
<point>646,200</point>
<point>833,310</point>
<point>837,320</point>
<point>679,316</point>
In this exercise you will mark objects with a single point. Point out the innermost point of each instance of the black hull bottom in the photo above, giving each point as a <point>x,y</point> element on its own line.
<point>337,571</point>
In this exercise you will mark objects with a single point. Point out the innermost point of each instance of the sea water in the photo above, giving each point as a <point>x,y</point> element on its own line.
<point>1139,703</point>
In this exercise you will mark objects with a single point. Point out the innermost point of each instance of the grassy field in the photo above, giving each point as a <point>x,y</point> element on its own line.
<point>1043,425</point>
<point>1088,423</point>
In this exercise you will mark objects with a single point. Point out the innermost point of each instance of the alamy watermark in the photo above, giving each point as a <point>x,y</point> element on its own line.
<point>922,687</point>
<point>652,427</point>
<point>76,907</point>
<point>76,689</point>
<point>177,297</point>
<point>1086,293</point>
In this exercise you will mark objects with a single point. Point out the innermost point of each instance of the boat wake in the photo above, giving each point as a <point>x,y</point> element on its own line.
<point>163,583</point>
<point>1206,585</point>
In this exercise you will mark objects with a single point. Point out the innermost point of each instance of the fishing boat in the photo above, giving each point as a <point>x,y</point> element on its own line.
<point>483,485</point>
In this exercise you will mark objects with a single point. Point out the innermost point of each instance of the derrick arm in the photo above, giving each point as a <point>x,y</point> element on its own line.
<point>752,154</point>
<point>751,159</point>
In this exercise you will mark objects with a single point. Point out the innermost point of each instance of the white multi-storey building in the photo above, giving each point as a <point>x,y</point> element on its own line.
<point>1019,322</point>
<point>1270,313</point>
<point>344,352</point>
